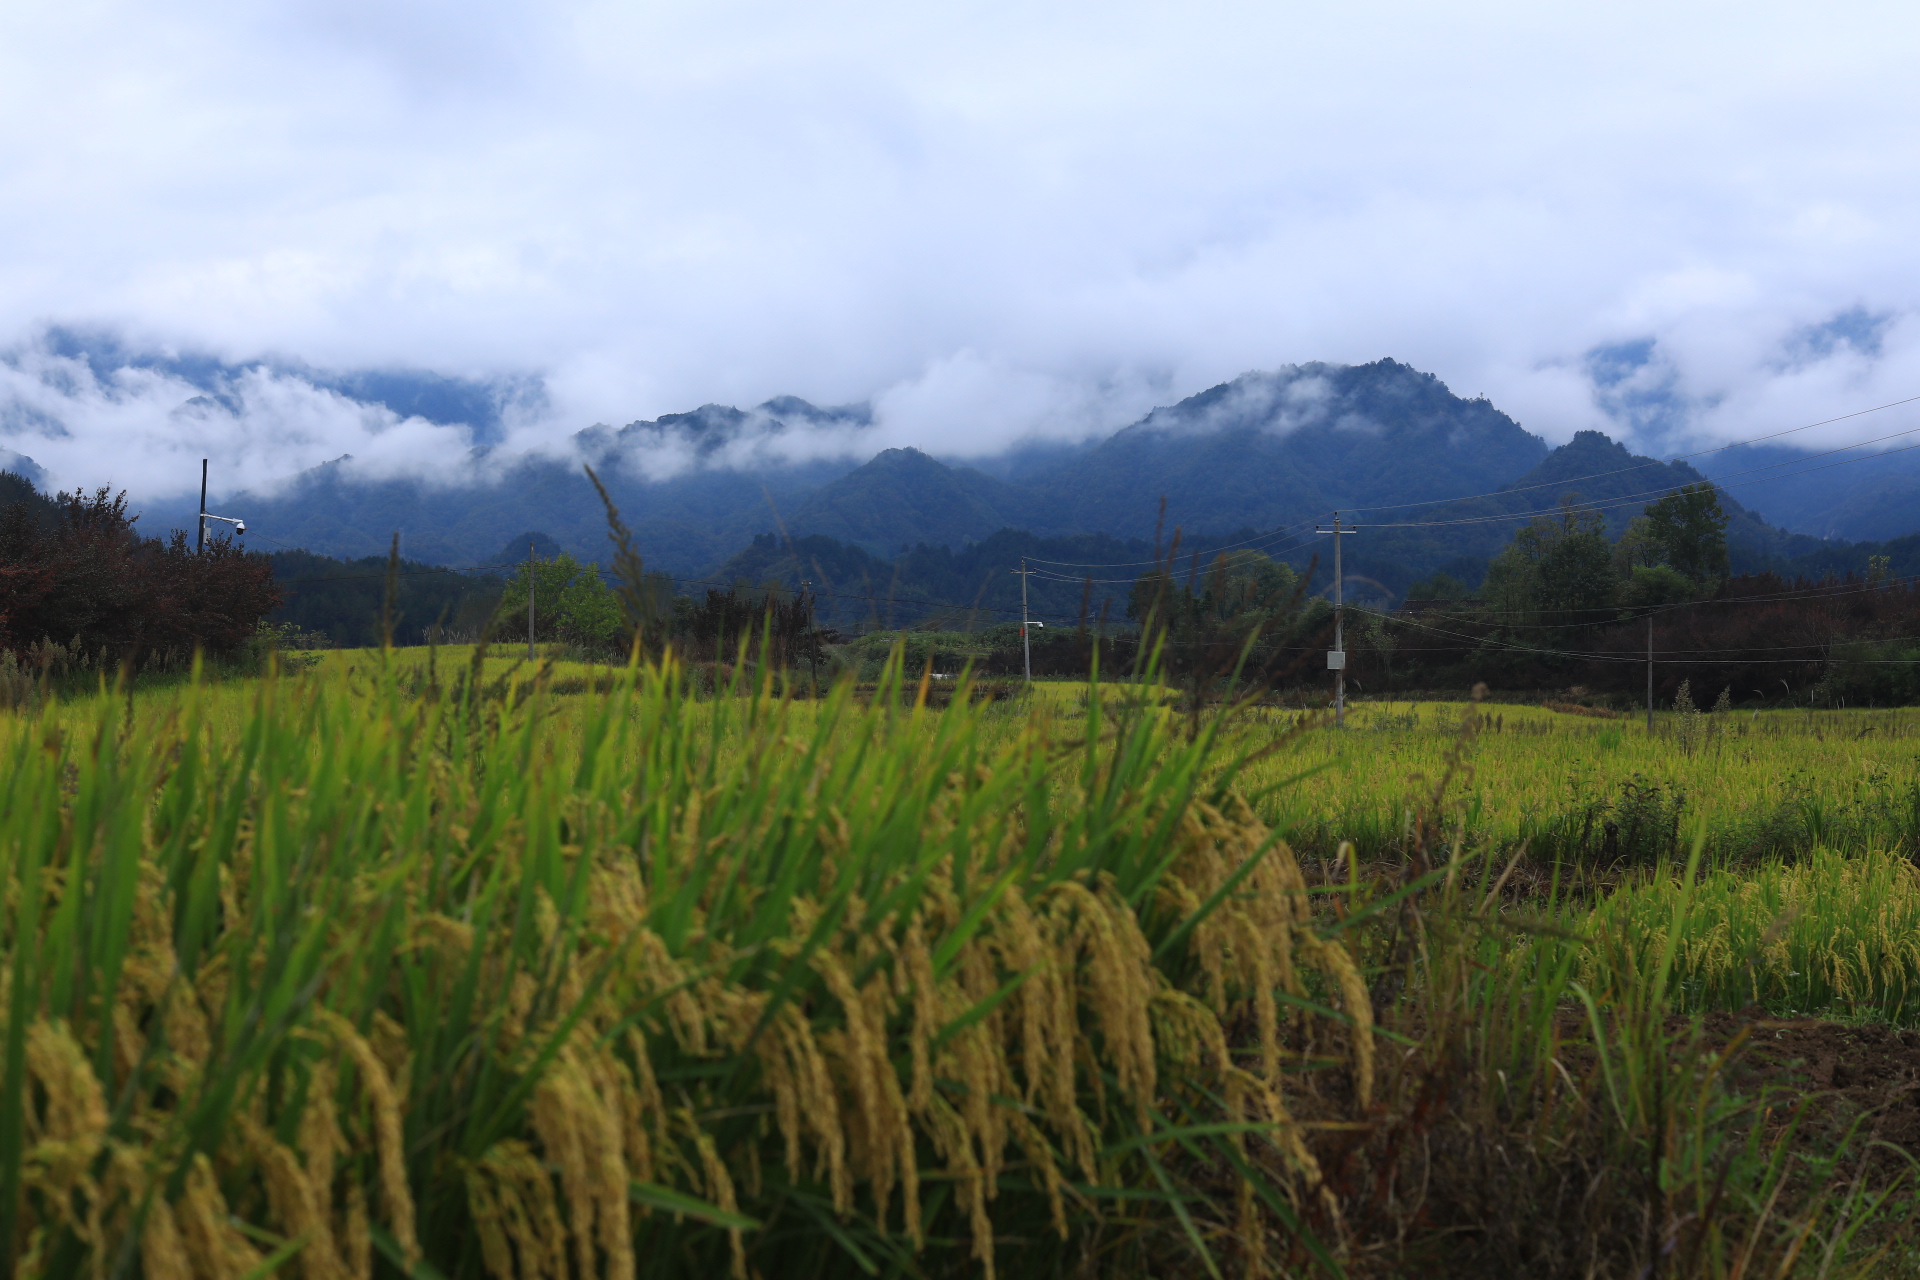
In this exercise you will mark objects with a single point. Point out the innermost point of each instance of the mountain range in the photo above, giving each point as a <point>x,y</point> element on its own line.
<point>1388,445</point>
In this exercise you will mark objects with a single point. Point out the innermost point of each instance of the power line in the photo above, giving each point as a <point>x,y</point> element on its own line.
<point>1474,644</point>
<point>1632,498</point>
<point>1503,517</point>
<point>1282,532</point>
<point>705,582</point>
<point>1686,657</point>
<point>1547,484</point>
<point>1655,462</point>
<point>1838,591</point>
<point>297,579</point>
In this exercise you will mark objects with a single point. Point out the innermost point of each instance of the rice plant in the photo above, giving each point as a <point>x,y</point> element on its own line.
<point>1833,935</point>
<point>485,969</point>
<point>388,981</point>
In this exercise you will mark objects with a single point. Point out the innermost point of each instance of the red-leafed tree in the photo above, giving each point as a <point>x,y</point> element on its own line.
<point>75,573</point>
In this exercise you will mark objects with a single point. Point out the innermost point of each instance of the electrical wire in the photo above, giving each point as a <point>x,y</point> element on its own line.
<point>1836,592</point>
<point>404,573</point>
<point>1283,532</point>
<point>1630,499</point>
<point>1049,574</point>
<point>1650,462</point>
<point>1547,484</point>
<point>297,581</point>
<point>1752,648</point>
<point>1687,657</point>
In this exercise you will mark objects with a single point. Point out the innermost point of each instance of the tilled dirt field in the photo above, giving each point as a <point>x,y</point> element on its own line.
<point>1852,1072</point>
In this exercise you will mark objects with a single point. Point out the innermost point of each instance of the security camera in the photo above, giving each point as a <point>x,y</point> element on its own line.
<point>240,526</point>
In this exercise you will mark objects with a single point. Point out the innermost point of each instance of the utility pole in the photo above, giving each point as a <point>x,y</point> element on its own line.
<point>1026,644</point>
<point>529,599</point>
<point>1337,656</point>
<point>1026,623</point>
<point>1649,675</point>
<point>813,638</point>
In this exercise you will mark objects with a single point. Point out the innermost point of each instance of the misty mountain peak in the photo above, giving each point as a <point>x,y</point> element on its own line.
<point>906,456</point>
<point>1267,450</point>
<point>1384,399</point>
<point>718,435</point>
<point>790,409</point>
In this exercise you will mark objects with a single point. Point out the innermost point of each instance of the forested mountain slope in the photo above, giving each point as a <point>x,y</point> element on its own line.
<point>1266,453</point>
<point>1272,448</point>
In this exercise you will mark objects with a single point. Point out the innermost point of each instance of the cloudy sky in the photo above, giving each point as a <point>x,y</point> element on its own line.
<point>1686,222</point>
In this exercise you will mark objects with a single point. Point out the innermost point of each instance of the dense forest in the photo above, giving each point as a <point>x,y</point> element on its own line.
<point>342,602</point>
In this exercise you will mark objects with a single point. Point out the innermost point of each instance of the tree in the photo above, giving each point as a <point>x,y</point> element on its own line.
<point>1653,585</point>
<point>1376,633</point>
<point>718,624</point>
<point>346,599</point>
<point>570,603</point>
<point>74,573</point>
<point>1555,565</point>
<point>590,612</point>
<point>1441,586</point>
<point>1210,615</point>
<point>1637,548</point>
<point>1241,591</point>
<point>1690,530</point>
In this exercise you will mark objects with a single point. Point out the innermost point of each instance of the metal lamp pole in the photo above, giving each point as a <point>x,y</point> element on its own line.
<point>200,537</point>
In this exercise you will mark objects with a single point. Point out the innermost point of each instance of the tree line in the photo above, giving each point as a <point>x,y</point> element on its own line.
<point>1561,606</point>
<point>80,586</point>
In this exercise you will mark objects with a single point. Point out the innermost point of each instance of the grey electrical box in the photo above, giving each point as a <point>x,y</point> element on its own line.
<point>1336,659</point>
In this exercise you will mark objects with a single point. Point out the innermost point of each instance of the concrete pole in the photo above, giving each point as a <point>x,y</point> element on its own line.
<point>1026,641</point>
<point>1649,675</point>
<point>529,599</point>
<point>1339,635</point>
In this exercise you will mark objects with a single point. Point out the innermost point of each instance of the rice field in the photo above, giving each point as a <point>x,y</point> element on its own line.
<point>455,966</point>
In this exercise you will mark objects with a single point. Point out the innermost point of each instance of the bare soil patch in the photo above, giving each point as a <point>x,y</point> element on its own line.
<point>1853,1070</point>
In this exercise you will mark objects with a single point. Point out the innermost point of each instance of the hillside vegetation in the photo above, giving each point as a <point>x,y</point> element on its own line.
<point>1266,451</point>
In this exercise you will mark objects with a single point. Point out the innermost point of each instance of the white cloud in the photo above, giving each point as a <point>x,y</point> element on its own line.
<point>993,219</point>
<point>146,430</point>
<point>968,405</point>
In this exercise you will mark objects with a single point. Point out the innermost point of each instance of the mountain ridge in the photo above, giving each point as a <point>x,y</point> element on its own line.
<point>1264,451</point>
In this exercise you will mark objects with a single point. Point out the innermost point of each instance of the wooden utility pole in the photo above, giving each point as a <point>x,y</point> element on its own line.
<point>529,599</point>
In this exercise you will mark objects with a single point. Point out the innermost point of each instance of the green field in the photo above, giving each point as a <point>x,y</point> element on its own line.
<point>455,966</point>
